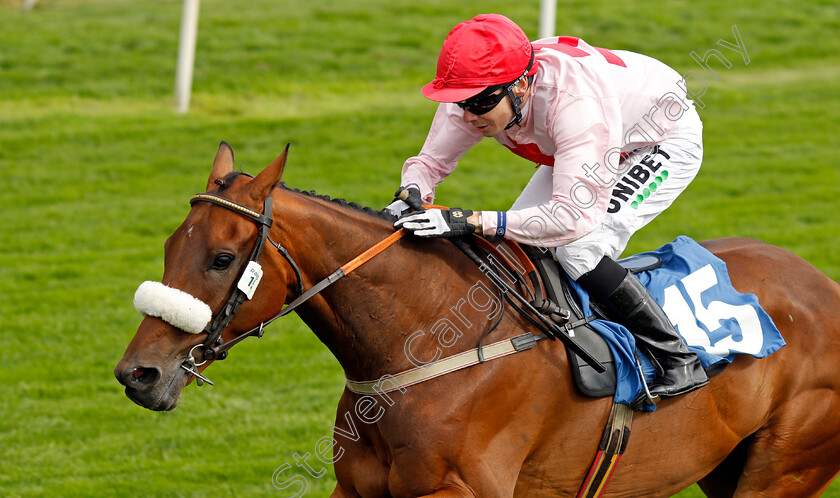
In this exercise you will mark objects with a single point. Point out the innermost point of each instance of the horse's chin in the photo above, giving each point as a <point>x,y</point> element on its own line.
<point>164,396</point>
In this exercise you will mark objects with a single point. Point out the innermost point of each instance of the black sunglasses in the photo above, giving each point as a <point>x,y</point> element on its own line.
<point>485,101</point>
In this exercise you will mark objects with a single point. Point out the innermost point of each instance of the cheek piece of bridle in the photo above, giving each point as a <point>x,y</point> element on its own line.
<point>213,348</point>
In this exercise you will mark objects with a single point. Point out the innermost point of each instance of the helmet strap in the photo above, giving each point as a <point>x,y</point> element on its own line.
<point>516,102</point>
<point>517,110</point>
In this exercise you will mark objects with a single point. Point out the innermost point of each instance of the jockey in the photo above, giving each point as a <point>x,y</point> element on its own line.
<point>615,140</point>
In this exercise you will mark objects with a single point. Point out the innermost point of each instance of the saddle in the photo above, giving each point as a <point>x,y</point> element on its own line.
<point>559,291</point>
<point>555,298</point>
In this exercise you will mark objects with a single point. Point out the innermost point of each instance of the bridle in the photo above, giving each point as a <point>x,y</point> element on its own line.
<point>213,348</point>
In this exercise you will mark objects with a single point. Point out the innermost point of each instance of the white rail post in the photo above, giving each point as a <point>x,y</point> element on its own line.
<point>548,18</point>
<point>28,4</point>
<point>186,55</point>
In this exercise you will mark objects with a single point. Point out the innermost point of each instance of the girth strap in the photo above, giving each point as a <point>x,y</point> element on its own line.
<point>611,448</point>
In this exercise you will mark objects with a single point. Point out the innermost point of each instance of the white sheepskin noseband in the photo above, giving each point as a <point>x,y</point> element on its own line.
<point>175,307</point>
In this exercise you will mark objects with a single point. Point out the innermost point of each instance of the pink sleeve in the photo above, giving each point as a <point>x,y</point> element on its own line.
<point>582,130</point>
<point>448,140</point>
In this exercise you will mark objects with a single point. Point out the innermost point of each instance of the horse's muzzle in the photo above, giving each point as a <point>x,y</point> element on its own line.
<point>147,386</point>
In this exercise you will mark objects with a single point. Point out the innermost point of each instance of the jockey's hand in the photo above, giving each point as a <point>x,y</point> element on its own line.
<point>398,207</point>
<point>437,222</point>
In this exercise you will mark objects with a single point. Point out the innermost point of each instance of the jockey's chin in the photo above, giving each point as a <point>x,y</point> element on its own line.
<point>493,122</point>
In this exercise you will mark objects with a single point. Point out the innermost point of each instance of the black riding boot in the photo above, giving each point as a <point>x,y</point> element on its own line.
<point>650,326</point>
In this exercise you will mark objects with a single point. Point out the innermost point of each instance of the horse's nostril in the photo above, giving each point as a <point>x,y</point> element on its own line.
<point>140,378</point>
<point>146,375</point>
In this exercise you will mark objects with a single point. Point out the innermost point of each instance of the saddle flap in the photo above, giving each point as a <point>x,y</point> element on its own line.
<point>558,290</point>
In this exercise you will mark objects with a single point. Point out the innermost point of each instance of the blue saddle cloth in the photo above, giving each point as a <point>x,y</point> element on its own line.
<point>715,321</point>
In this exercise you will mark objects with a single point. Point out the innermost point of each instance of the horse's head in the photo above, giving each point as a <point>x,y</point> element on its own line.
<point>204,261</point>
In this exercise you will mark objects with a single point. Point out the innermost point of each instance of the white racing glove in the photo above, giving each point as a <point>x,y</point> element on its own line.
<point>437,222</point>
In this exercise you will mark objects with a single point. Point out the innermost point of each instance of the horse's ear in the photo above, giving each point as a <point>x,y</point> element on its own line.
<point>222,165</point>
<point>268,178</point>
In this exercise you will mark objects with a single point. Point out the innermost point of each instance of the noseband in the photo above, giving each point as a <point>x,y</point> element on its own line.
<point>213,348</point>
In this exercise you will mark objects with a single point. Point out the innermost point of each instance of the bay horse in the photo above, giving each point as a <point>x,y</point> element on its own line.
<point>515,426</point>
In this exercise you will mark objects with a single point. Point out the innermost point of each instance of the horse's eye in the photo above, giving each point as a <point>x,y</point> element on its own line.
<point>222,261</point>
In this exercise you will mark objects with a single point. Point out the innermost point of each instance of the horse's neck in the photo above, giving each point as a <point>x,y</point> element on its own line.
<point>368,318</point>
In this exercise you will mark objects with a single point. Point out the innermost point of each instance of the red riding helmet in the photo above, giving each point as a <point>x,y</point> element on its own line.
<point>487,50</point>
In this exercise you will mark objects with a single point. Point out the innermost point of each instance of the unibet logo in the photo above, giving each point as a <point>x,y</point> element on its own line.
<point>640,182</point>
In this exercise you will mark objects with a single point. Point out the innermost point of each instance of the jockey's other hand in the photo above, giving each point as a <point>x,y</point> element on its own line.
<point>437,222</point>
<point>399,206</point>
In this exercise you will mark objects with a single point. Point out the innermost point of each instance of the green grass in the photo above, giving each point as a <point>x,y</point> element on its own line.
<point>97,170</point>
